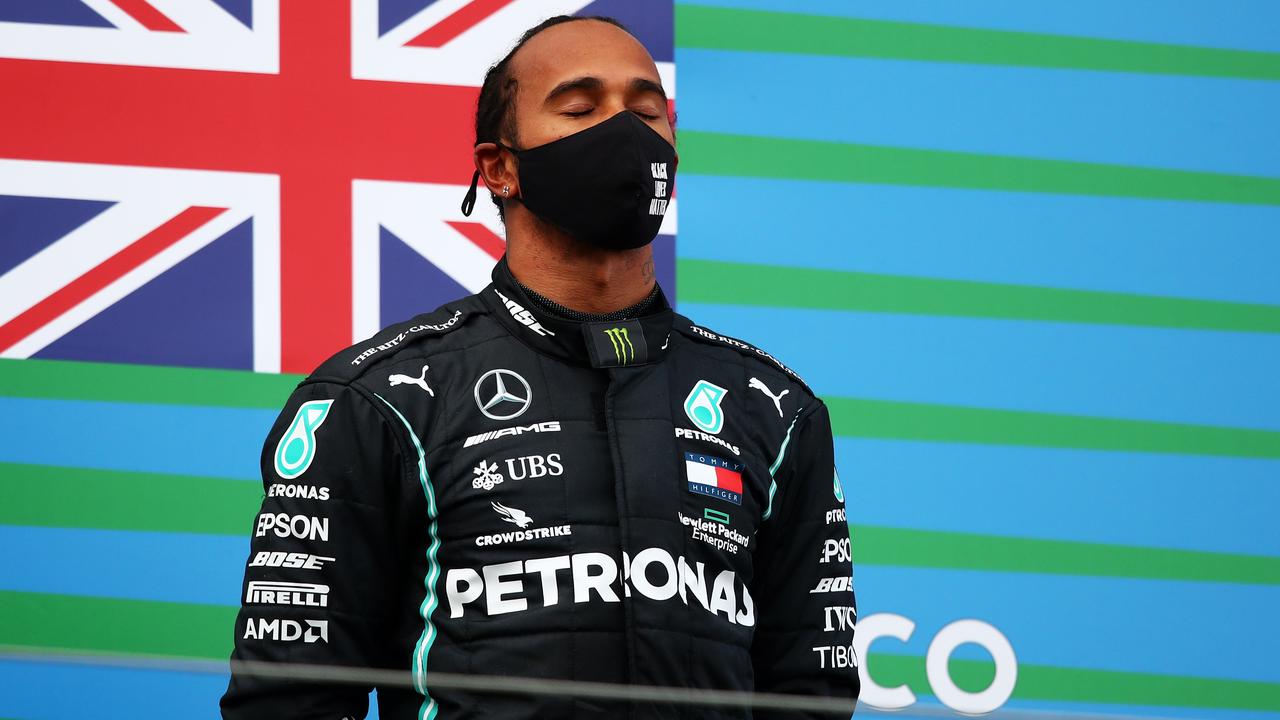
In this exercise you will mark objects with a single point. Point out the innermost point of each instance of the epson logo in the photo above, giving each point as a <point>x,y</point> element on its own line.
<point>835,550</point>
<point>542,427</point>
<point>286,630</point>
<point>267,592</point>
<point>283,525</point>
<point>653,573</point>
<point>295,561</point>
<point>304,492</point>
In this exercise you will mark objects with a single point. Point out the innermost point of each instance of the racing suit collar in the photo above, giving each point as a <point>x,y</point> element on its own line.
<point>620,343</point>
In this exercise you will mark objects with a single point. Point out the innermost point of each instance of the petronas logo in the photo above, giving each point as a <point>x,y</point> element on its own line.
<point>622,347</point>
<point>298,444</point>
<point>703,406</point>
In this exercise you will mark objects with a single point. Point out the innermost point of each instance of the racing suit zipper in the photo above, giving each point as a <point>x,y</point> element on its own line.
<point>624,528</point>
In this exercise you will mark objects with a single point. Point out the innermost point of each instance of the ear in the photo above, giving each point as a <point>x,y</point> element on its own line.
<point>497,170</point>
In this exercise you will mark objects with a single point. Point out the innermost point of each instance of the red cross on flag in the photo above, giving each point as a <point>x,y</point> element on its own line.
<point>250,183</point>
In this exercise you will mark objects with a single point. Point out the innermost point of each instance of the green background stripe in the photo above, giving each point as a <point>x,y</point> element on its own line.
<point>730,283</point>
<point>708,153</point>
<point>935,549</point>
<point>112,382</point>
<point>72,622</point>
<point>33,495</point>
<point>114,500</point>
<point>62,622</point>
<point>760,31</point>
<point>1042,682</point>
<point>855,417</point>
<point>851,417</point>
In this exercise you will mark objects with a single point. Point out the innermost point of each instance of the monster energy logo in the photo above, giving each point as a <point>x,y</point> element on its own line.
<point>622,346</point>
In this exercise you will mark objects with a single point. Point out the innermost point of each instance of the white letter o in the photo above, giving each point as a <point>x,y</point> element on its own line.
<point>979,633</point>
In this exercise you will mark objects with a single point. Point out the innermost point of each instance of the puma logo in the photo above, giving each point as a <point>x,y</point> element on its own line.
<point>420,381</point>
<point>777,399</point>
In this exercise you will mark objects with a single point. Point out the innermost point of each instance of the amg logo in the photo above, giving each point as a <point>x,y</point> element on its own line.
<point>262,592</point>
<point>286,630</point>
<point>542,427</point>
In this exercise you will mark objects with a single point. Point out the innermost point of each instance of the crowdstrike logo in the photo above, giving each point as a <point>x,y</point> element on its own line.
<point>512,515</point>
<point>653,573</point>
<point>523,316</point>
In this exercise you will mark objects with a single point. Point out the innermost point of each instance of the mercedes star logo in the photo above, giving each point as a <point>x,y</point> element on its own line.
<point>498,394</point>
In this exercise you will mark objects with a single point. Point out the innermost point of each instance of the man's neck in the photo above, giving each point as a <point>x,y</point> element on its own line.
<point>580,277</point>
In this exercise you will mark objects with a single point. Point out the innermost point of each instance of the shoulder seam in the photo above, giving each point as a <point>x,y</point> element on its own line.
<point>705,335</point>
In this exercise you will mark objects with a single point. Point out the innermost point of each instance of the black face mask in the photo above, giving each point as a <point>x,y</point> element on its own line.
<point>607,186</point>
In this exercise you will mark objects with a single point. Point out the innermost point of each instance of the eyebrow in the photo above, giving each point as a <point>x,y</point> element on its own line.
<point>590,83</point>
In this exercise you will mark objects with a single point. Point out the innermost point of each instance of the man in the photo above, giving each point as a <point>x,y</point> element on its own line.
<point>557,477</point>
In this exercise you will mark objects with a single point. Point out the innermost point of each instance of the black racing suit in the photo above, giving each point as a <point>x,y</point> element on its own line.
<point>490,489</point>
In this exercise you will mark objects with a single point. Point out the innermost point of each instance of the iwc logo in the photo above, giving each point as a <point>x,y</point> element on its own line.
<point>502,394</point>
<point>703,407</point>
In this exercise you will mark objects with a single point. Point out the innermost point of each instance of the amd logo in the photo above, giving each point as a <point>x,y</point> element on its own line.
<point>286,630</point>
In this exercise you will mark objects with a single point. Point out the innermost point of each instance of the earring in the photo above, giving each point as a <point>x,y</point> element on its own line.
<point>506,189</point>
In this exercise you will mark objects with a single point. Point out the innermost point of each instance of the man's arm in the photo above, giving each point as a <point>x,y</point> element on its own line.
<point>322,559</point>
<point>803,585</point>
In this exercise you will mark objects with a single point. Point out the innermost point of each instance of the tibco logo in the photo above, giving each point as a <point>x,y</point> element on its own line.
<point>286,630</point>
<point>937,661</point>
<point>653,573</point>
<point>303,527</point>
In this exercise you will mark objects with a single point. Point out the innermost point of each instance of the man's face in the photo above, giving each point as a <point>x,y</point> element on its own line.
<point>578,74</point>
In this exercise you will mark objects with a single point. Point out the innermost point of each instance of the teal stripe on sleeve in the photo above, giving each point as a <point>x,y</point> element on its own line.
<point>777,463</point>
<point>430,602</point>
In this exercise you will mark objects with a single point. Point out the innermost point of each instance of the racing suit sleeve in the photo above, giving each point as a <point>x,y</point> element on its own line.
<point>322,558</point>
<point>803,587</point>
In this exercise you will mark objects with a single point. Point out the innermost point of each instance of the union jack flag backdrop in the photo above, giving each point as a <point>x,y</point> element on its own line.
<point>249,183</point>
